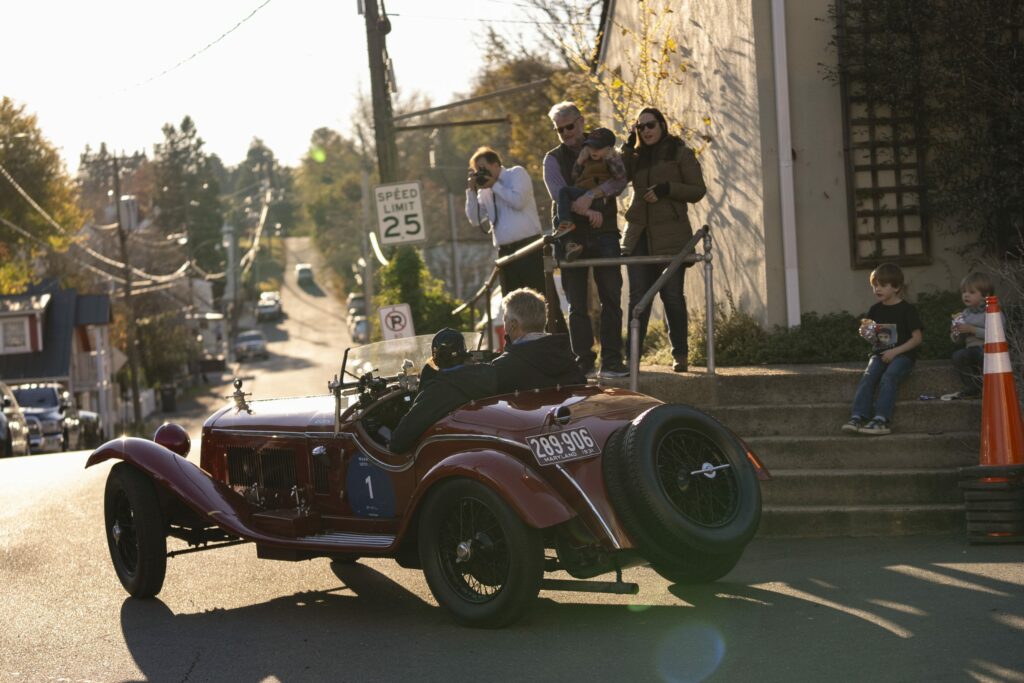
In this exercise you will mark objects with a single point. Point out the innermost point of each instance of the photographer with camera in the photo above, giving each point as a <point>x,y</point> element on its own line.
<point>504,196</point>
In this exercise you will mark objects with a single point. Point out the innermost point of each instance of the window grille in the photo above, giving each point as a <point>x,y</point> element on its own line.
<point>884,146</point>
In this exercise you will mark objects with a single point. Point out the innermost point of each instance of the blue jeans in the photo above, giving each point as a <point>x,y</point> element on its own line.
<point>609,289</point>
<point>887,378</point>
<point>642,278</point>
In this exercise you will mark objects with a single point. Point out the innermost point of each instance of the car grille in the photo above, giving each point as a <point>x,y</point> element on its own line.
<point>320,481</point>
<point>271,468</point>
<point>33,426</point>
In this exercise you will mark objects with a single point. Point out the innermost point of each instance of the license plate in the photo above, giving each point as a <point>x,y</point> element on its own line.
<point>570,444</point>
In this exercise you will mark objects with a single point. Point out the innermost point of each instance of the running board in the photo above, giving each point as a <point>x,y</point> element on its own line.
<point>342,539</point>
<point>577,586</point>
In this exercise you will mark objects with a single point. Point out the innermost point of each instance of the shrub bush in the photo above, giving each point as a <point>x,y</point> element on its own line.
<point>406,280</point>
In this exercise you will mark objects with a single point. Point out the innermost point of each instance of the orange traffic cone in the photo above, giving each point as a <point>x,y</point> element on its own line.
<point>994,489</point>
<point>1002,435</point>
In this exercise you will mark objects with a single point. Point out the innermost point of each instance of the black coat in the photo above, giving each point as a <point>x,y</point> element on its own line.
<point>538,363</point>
<point>441,393</point>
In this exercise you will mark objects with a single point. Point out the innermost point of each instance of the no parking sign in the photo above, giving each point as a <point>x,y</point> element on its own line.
<point>396,322</point>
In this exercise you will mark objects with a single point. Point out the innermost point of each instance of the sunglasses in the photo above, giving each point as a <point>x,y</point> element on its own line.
<point>566,127</point>
<point>649,125</point>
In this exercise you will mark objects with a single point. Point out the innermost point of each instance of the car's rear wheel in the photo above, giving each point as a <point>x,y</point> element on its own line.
<point>8,447</point>
<point>482,562</point>
<point>683,487</point>
<point>136,534</point>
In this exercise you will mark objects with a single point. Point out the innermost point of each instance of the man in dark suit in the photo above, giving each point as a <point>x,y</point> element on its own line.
<point>533,359</point>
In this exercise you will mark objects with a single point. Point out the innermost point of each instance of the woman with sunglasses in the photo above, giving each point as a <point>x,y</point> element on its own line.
<point>666,177</point>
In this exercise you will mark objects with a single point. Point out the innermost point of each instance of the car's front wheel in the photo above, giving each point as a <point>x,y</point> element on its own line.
<point>481,561</point>
<point>136,534</point>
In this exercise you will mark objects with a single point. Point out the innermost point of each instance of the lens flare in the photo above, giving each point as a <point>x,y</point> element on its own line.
<point>689,653</point>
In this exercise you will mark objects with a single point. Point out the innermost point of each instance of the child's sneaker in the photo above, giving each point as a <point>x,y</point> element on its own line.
<point>854,425</point>
<point>563,229</point>
<point>573,251</point>
<point>877,427</point>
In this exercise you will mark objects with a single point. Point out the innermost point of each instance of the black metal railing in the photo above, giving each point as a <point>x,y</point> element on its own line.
<point>687,255</point>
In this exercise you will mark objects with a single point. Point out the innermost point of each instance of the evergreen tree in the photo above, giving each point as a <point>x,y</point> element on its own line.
<point>188,192</point>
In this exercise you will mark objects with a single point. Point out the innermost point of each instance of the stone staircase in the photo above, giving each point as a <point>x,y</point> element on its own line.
<point>828,483</point>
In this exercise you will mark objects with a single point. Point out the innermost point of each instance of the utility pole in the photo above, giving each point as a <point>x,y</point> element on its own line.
<point>383,124</point>
<point>133,358</point>
<point>367,256</point>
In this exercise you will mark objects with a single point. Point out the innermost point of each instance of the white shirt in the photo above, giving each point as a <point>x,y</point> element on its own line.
<point>508,205</point>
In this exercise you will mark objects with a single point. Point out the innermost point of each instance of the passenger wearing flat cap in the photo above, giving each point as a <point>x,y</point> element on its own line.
<point>445,384</point>
<point>532,358</point>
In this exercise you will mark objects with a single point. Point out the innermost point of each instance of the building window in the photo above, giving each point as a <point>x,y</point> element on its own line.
<point>884,146</point>
<point>14,336</point>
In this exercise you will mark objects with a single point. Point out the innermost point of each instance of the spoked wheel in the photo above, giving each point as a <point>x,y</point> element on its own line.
<point>685,491</point>
<point>696,477</point>
<point>481,561</point>
<point>135,530</point>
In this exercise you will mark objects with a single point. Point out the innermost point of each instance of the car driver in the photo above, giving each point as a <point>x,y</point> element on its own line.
<point>445,384</point>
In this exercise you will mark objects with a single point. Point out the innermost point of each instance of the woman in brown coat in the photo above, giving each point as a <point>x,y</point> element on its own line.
<point>666,177</point>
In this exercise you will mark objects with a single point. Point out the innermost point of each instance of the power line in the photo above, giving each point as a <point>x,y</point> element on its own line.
<point>91,252</point>
<point>197,52</point>
<point>490,21</point>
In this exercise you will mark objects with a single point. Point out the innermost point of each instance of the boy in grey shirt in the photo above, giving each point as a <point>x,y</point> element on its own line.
<point>969,328</point>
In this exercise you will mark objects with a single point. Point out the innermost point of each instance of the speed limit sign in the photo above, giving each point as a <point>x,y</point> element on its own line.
<point>400,213</point>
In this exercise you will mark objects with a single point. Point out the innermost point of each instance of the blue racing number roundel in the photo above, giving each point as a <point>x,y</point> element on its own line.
<point>370,493</point>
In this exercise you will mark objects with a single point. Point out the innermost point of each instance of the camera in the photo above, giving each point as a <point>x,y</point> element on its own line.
<point>480,176</point>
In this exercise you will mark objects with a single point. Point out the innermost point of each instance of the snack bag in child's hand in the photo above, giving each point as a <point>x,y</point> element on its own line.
<point>868,329</point>
<point>956,319</point>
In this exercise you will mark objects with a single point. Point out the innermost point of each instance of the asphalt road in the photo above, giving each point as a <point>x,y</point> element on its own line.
<point>892,609</point>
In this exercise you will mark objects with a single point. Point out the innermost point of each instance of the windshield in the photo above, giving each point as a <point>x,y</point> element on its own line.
<point>41,397</point>
<point>386,357</point>
<point>250,336</point>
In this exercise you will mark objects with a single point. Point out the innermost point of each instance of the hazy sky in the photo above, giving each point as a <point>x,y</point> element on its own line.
<point>91,71</point>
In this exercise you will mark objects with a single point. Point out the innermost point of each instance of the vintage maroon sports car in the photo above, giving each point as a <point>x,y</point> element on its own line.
<point>602,477</point>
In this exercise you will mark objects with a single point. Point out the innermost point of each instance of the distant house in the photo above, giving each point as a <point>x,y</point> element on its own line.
<point>810,185</point>
<point>61,336</point>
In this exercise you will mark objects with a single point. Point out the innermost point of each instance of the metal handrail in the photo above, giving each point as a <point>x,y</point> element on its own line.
<point>686,255</point>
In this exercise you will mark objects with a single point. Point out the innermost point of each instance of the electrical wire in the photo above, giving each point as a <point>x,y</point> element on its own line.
<point>91,252</point>
<point>197,52</point>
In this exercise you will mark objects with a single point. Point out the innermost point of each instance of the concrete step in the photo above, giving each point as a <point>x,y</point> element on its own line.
<point>794,418</point>
<point>860,520</point>
<point>922,451</point>
<point>862,487</point>
<point>780,384</point>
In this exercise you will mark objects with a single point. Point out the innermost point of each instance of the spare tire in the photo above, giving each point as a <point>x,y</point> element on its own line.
<point>681,483</point>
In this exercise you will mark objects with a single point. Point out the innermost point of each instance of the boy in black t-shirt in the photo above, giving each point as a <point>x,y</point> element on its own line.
<point>894,329</point>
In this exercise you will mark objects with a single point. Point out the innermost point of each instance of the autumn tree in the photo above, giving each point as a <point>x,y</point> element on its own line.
<point>26,236</point>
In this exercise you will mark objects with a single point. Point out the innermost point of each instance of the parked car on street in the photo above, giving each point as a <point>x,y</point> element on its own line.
<point>355,304</point>
<point>92,434</point>
<point>251,344</point>
<point>53,407</point>
<point>303,272</point>
<point>14,436</point>
<point>359,329</point>
<point>268,307</point>
<point>584,479</point>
